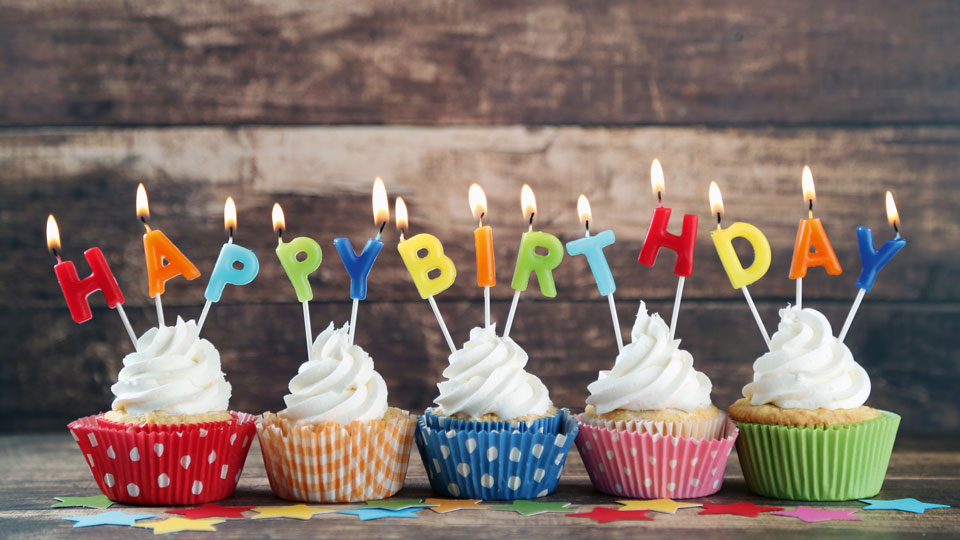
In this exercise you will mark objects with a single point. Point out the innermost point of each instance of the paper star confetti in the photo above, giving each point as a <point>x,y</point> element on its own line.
<point>212,510</point>
<point>97,501</point>
<point>366,514</point>
<point>531,508</point>
<point>813,515</point>
<point>904,505</point>
<point>666,506</point>
<point>606,515</point>
<point>294,511</point>
<point>178,524</point>
<point>107,518</point>
<point>442,506</point>
<point>745,509</point>
<point>396,504</point>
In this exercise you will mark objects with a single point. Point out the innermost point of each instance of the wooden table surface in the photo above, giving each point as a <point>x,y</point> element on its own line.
<point>38,467</point>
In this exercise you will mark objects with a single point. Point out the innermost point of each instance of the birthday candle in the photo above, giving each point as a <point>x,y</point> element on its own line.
<point>811,234</point>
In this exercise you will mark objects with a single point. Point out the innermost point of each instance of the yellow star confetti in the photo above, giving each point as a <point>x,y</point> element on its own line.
<point>294,511</point>
<point>177,524</point>
<point>442,506</point>
<point>666,506</point>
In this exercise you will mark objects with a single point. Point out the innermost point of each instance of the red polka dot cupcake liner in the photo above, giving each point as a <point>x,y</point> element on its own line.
<point>150,464</point>
<point>653,466</point>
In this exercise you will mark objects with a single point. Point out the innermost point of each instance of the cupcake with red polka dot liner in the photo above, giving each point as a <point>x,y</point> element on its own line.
<point>494,434</point>
<point>337,440</point>
<point>169,438</point>
<point>650,430</point>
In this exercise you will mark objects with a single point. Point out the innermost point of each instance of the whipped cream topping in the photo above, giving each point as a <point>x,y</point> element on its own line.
<point>650,373</point>
<point>807,368</point>
<point>337,384</point>
<point>487,376</point>
<point>173,372</point>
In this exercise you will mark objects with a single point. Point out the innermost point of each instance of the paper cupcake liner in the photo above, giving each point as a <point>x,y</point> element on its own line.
<point>707,428</point>
<point>165,464</point>
<point>475,461</point>
<point>817,463</point>
<point>548,424</point>
<point>649,466</point>
<point>328,462</point>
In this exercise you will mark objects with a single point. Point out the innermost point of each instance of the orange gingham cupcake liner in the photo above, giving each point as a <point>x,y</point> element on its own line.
<point>329,462</point>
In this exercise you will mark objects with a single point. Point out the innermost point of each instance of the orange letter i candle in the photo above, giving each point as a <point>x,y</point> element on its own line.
<point>483,244</point>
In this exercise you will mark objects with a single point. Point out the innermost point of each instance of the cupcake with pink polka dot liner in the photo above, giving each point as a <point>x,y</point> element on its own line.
<point>650,430</point>
<point>169,438</point>
<point>494,434</point>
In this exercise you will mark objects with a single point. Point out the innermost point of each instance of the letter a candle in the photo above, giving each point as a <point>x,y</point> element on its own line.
<point>298,270</point>
<point>811,234</point>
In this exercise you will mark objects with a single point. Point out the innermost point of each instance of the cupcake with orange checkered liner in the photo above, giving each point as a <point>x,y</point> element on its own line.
<point>337,440</point>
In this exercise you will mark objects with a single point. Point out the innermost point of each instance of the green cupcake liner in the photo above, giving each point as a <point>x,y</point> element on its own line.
<point>817,463</point>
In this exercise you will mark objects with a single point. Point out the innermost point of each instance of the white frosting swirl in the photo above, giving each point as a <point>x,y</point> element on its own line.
<point>173,372</point>
<point>337,384</point>
<point>807,368</point>
<point>487,376</point>
<point>650,373</point>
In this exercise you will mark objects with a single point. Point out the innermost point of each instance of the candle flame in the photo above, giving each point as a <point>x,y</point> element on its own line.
<point>583,209</point>
<point>656,178</point>
<point>478,201</point>
<point>143,207</point>
<point>892,215</point>
<point>403,222</point>
<point>53,234</point>
<point>381,207</point>
<point>716,200</point>
<point>230,216</point>
<point>528,202</point>
<point>279,223</point>
<point>806,181</point>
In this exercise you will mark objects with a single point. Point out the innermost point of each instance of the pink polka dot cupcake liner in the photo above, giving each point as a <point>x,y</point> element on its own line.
<point>165,464</point>
<point>653,466</point>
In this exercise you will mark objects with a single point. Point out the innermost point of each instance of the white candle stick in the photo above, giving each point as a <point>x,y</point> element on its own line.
<point>486,307</point>
<point>799,293</point>
<point>307,330</point>
<point>443,326</point>
<point>756,316</point>
<point>616,321</point>
<point>353,319</point>
<point>676,306</point>
<point>156,300</point>
<point>126,324</point>
<point>851,315</point>
<point>203,315</point>
<point>513,310</point>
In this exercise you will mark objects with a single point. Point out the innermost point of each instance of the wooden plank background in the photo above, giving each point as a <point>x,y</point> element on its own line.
<point>305,103</point>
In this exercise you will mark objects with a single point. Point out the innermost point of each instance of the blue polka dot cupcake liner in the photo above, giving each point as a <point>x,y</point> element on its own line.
<point>478,460</point>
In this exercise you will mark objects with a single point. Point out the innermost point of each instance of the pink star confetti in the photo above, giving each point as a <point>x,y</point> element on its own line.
<point>813,515</point>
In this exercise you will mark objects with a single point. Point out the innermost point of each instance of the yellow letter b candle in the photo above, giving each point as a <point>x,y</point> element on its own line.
<point>432,260</point>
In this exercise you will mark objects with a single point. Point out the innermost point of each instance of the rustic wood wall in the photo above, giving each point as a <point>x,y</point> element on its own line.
<point>304,103</point>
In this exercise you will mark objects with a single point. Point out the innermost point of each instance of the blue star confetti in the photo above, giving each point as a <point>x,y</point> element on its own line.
<point>108,518</point>
<point>366,514</point>
<point>904,505</point>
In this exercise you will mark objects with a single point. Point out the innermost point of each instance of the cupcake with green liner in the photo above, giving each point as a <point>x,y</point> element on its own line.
<point>805,433</point>
<point>650,429</point>
<point>494,434</point>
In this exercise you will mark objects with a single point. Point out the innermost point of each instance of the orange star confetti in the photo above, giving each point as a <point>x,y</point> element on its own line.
<point>442,506</point>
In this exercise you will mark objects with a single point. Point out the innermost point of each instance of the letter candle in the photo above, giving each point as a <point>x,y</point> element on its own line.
<point>873,260</point>
<point>420,268</point>
<point>483,242</point>
<point>592,248</point>
<point>723,241</point>
<point>224,271</point>
<point>658,237</point>
<point>359,267</point>
<point>76,290</point>
<point>811,233</point>
<point>298,270</point>
<point>529,261</point>
<point>157,248</point>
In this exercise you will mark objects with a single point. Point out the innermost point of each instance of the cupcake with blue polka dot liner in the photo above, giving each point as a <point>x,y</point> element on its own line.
<point>650,429</point>
<point>494,434</point>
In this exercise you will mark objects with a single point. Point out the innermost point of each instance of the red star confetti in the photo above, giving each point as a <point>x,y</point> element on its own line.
<point>745,509</point>
<point>606,515</point>
<point>813,515</point>
<point>212,510</point>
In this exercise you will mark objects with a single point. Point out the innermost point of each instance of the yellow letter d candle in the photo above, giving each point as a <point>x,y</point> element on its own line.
<point>723,241</point>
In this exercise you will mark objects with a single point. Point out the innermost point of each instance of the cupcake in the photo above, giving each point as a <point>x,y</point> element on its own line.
<point>169,438</point>
<point>650,429</point>
<point>337,440</point>
<point>806,434</point>
<point>494,433</point>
